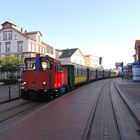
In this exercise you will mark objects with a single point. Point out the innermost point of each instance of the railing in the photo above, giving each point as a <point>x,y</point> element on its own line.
<point>9,92</point>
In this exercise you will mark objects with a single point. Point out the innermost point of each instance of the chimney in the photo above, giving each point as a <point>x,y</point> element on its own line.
<point>21,29</point>
<point>100,60</point>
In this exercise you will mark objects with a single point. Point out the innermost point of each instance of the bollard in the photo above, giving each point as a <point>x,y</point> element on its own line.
<point>19,91</point>
<point>9,92</point>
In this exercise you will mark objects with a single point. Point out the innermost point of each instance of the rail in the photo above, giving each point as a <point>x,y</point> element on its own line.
<point>112,116</point>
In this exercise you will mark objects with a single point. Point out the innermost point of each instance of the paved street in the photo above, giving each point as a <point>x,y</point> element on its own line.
<point>67,116</point>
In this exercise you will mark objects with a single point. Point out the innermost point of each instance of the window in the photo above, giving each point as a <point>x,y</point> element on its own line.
<point>30,64</point>
<point>49,50</point>
<point>0,47</point>
<point>33,47</point>
<point>38,39</point>
<point>7,35</point>
<point>7,47</point>
<point>16,37</point>
<point>75,72</point>
<point>45,63</point>
<point>43,50</point>
<point>58,67</point>
<point>20,46</point>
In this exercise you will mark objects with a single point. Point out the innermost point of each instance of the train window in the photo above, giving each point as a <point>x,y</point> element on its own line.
<point>78,72</point>
<point>30,64</point>
<point>45,64</point>
<point>75,71</point>
<point>85,72</point>
<point>58,67</point>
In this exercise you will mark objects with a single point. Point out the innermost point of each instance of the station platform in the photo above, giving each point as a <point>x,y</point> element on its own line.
<point>131,90</point>
<point>126,81</point>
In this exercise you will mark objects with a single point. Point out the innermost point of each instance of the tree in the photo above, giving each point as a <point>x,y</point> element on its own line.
<point>10,64</point>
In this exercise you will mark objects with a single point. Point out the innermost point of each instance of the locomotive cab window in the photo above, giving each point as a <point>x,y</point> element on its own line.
<point>30,64</point>
<point>45,64</point>
<point>58,67</point>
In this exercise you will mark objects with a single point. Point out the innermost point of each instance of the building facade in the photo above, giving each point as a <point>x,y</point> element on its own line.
<point>22,43</point>
<point>137,51</point>
<point>93,61</point>
<point>72,55</point>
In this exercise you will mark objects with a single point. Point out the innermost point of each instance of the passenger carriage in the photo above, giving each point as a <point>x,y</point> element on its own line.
<point>77,74</point>
<point>106,73</point>
<point>91,74</point>
<point>100,74</point>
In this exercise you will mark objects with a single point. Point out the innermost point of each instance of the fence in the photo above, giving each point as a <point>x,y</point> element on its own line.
<point>9,92</point>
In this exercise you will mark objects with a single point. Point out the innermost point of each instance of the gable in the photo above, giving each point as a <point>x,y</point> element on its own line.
<point>16,35</point>
<point>14,32</point>
<point>78,53</point>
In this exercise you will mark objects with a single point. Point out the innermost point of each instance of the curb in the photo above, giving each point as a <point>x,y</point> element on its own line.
<point>130,105</point>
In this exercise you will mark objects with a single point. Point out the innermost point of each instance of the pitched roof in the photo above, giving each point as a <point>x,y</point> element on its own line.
<point>33,32</point>
<point>67,53</point>
<point>7,22</point>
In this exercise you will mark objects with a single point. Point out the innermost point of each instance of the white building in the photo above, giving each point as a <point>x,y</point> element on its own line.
<point>72,55</point>
<point>93,61</point>
<point>22,43</point>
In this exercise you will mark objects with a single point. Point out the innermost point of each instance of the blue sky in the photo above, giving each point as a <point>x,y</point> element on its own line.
<point>106,28</point>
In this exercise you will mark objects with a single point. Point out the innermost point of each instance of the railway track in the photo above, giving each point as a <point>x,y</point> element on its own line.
<point>112,117</point>
<point>9,100</point>
<point>10,110</point>
<point>16,111</point>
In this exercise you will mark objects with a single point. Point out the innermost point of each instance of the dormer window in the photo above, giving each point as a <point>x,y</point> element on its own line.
<point>7,35</point>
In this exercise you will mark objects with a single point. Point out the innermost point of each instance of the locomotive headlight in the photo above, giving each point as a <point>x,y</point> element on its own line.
<point>44,83</point>
<point>24,83</point>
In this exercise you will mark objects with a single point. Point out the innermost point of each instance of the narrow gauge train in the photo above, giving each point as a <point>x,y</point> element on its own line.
<point>45,77</point>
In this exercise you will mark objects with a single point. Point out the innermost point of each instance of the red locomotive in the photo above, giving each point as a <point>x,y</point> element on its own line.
<point>43,77</point>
